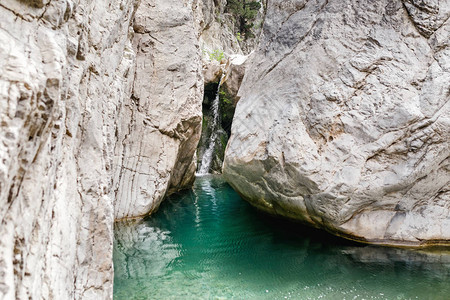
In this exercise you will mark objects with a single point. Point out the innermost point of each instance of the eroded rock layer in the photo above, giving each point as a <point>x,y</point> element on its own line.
<point>344,119</point>
<point>65,69</point>
<point>160,125</point>
<point>96,111</point>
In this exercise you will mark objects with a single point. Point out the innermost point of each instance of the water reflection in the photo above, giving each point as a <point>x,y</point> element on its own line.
<point>135,247</point>
<point>433,263</point>
<point>209,244</point>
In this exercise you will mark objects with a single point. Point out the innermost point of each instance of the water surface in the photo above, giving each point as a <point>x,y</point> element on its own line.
<point>210,244</point>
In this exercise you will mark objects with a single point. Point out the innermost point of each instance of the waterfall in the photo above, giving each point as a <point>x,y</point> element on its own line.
<point>209,152</point>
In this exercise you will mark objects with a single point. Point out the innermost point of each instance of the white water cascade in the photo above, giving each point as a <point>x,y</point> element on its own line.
<point>209,152</point>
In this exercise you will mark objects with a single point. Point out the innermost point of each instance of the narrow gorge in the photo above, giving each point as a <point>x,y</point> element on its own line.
<point>333,114</point>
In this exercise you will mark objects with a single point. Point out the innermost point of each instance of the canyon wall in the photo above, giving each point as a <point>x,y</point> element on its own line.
<point>343,123</point>
<point>344,119</point>
<point>160,125</point>
<point>96,112</point>
<point>65,69</point>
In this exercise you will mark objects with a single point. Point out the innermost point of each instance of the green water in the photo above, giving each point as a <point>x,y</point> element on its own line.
<point>209,244</point>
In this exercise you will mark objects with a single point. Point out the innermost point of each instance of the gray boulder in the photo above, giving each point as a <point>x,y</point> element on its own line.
<point>344,119</point>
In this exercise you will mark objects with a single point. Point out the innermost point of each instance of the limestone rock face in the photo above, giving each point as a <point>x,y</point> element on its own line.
<point>235,74</point>
<point>214,27</point>
<point>344,119</point>
<point>65,69</point>
<point>160,124</point>
<point>86,125</point>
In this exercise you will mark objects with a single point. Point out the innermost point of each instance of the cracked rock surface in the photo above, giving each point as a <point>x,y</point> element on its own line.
<point>65,68</point>
<point>344,119</point>
<point>92,116</point>
<point>160,125</point>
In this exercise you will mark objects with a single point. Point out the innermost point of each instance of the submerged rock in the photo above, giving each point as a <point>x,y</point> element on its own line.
<point>344,119</point>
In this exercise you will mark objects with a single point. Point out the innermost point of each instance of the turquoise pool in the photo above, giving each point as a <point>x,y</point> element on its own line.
<point>207,243</point>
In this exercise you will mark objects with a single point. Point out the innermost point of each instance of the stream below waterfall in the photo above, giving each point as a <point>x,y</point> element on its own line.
<point>207,243</point>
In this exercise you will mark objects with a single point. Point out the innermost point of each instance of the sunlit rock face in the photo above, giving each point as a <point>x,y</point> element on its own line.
<point>65,69</point>
<point>344,119</point>
<point>98,101</point>
<point>160,124</point>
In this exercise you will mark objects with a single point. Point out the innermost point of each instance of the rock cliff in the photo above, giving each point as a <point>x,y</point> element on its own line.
<point>344,119</point>
<point>65,69</point>
<point>160,125</point>
<point>96,112</point>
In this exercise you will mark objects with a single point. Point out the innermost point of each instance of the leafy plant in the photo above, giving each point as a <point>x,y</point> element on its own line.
<point>239,37</point>
<point>245,12</point>
<point>227,108</point>
<point>216,55</point>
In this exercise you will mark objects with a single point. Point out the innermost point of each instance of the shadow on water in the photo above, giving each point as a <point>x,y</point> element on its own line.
<point>207,243</point>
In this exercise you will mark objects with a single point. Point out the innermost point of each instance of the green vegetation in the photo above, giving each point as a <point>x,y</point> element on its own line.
<point>239,37</point>
<point>215,55</point>
<point>227,108</point>
<point>245,12</point>
<point>223,130</point>
<point>223,142</point>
